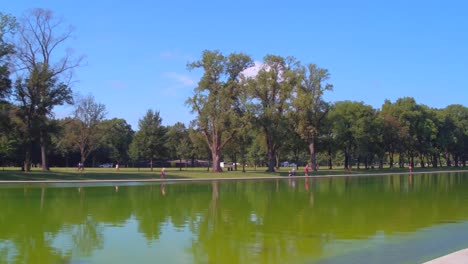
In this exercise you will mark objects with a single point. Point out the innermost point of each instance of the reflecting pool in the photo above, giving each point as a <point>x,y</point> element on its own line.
<point>374,219</point>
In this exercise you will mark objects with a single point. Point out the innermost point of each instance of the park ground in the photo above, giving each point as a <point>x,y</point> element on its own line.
<point>135,174</point>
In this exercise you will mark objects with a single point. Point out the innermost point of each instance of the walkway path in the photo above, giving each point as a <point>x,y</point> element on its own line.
<point>457,257</point>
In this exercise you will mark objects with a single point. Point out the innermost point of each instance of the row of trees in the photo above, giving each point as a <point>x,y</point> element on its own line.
<point>247,116</point>
<point>284,103</point>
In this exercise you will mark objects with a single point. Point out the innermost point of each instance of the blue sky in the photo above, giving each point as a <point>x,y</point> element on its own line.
<point>137,51</point>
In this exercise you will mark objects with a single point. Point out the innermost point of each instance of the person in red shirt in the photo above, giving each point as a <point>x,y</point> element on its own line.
<point>306,170</point>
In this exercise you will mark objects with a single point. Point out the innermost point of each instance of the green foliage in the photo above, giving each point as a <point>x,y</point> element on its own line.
<point>7,28</point>
<point>85,130</point>
<point>116,135</point>
<point>150,140</point>
<point>353,124</point>
<point>271,90</point>
<point>217,99</point>
<point>309,108</point>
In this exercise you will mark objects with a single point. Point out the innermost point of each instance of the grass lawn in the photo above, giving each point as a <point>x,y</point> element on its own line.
<point>12,174</point>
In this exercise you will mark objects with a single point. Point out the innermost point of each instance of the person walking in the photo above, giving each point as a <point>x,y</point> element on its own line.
<point>306,170</point>
<point>163,173</point>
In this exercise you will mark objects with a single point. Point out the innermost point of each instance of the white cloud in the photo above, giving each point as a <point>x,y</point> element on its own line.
<point>181,78</point>
<point>252,71</point>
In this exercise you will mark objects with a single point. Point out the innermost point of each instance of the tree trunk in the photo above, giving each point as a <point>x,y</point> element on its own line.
<point>434,160</point>
<point>235,162</point>
<point>215,153</point>
<point>401,161</point>
<point>44,166</point>
<point>456,160</point>
<point>271,159</point>
<point>82,155</point>
<point>447,158</point>
<point>27,159</point>
<point>313,155</point>
<point>277,162</point>
<point>346,160</point>
<point>43,152</point>
<point>391,160</point>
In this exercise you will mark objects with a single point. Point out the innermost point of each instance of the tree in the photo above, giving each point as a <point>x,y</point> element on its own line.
<point>310,108</point>
<point>352,127</point>
<point>411,122</point>
<point>116,135</point>
<point>149,141</point>
<point>458,146</point>
<point>272,88</point>
<point>200,150</point>
<point>88,114</point>
<point>37,95</point>
<point>45,81</point>
<point>7,27</point>
<point>64,142</point>
<point>178,142</point>
<point>217,99</point>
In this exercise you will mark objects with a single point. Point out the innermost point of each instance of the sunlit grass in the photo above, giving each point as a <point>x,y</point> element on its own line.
<point>71,173</point>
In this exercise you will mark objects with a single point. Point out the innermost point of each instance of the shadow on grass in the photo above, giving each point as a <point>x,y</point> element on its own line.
<point>44,176</point>
<point>130,174</point>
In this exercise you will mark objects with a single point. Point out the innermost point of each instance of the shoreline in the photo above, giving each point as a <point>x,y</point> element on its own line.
<point>174,180</point>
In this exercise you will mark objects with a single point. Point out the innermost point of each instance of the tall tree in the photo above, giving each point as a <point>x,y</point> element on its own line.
<point>37,95</point>
<point>271,91</point>
<point>88,114</point>
<point>149,141</point>
<point>411,120</point>
<point>7,28</point>
<point>310,108</point>
<point>217,99</point>
<point>46,73</point>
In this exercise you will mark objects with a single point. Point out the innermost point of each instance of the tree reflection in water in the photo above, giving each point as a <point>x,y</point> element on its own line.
<point>234,222</point>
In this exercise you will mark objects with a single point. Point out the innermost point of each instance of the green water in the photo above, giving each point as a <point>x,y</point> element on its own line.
<point>383,219</point>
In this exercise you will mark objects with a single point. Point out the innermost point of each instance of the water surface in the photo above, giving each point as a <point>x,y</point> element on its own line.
<point>375,219</point>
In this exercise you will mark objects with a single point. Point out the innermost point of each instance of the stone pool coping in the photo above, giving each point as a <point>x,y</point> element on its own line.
<point>170,180</point>
<point>457,257</point>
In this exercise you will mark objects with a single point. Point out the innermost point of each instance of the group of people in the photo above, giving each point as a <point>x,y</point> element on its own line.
<point>293,171</point>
